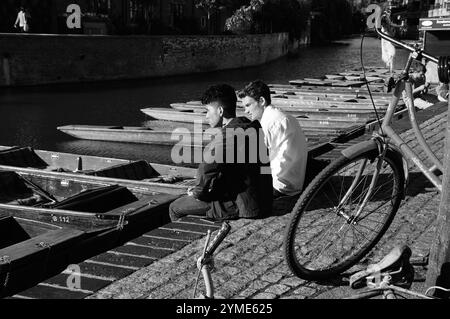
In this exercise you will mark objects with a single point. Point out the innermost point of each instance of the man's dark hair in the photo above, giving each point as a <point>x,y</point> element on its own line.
<point>256,90</point>
<point>225,95</point>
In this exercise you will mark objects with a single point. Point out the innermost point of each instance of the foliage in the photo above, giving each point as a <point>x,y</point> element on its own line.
<point>266,16</point>
<point>243,20</point>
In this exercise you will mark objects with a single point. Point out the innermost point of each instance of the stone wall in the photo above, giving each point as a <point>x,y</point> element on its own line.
<point>41,59</point>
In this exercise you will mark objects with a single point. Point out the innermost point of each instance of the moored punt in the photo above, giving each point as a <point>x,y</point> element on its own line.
<point>192,117</point>
<point>295,108</point>
<point>49,223</point>
<point>357,82</point>
<point>363,114</point>
<point>314,136</point>
<point>165,178</point>
<point>32,251</point>
<point>334,77</point>
<point>377,93</point>
<point>132,134</point>
<point>281,100</point>
<point>329,96</point>
<point>278,101</point>
<point>333,100</point>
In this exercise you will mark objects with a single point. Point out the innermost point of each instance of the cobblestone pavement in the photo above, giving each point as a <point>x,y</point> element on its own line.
<point>251,263</point>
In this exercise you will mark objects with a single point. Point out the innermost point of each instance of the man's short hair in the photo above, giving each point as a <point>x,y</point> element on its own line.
<point>225,95</point>
<point>256,90</point>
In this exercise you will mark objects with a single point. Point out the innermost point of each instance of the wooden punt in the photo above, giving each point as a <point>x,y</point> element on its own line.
<point>131,134</point>
<point>278,101</point>
<point>318,82</point>
<point>50,223</point>
<point>313,94</point>
<point>332,112</point>
<point>314,136</point>
<point>165,178</point>
<point>345,80</point>
<point>192,117</point>
<point>334,77</point>
<point>281,100</point>
<point>333,91</point>
<point>323,100</point>
<point>291,106</point>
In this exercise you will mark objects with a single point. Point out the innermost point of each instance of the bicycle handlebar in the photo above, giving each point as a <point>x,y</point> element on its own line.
<point>223,232</point>
<point>402,44</point>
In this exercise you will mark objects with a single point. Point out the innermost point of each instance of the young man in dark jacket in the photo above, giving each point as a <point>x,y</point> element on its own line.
<point>236,182</point>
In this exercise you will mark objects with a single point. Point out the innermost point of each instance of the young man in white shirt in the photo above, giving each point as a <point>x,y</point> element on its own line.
<point>288,149</point>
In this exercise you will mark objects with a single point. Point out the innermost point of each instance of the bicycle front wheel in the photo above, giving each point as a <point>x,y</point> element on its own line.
<point>335,222</point>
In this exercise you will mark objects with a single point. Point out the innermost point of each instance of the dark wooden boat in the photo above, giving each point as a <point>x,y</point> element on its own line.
<point>50,223</point>
<point>163,178</point>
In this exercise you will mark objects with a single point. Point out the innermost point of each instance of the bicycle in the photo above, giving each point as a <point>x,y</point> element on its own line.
<point>205,263</point>
<point>349,205</point>
<point>392,277</point>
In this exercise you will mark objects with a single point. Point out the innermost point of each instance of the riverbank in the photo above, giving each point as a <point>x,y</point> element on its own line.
<point>33,59</point>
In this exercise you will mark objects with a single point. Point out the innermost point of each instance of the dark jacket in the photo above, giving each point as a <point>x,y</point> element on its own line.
<point>235,186</point>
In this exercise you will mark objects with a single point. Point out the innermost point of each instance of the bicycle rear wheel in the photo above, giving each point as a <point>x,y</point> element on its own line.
<point>324,237</point>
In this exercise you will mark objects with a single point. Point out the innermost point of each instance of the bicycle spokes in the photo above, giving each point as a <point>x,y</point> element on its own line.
<point>347,212</point>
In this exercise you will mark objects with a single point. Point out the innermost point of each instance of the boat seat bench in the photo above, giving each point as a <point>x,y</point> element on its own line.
<point>21,157</point>
<point>99,200</point>
<point>137,170</point>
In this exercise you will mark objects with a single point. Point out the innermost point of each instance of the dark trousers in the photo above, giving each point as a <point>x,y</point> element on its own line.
<point>187,205</point>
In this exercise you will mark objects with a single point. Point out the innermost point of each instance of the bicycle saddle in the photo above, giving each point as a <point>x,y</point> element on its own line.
<point>395,264</point>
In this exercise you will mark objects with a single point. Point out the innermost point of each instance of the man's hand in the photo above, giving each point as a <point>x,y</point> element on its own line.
<point>190,191</point>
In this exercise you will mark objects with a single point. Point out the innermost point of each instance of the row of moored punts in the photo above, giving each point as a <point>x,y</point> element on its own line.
<point>325,107</point>
<point>58,209</point>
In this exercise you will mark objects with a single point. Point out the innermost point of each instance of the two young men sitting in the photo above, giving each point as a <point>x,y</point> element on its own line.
<point>245,183</point>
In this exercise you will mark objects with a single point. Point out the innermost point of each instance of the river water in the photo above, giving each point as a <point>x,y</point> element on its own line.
<point>29,116</point>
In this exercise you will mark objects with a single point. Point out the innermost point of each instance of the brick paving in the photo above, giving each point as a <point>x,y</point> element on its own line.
<point>251,264</point>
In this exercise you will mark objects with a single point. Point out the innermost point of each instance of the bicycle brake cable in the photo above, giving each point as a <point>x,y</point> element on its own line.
<point>368,88</point>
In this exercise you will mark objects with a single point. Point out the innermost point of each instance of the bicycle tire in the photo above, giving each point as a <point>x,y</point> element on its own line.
<point>304,268</point>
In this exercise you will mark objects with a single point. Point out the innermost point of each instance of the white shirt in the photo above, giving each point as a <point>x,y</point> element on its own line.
<point>21,19</point>
<point>288,150</point>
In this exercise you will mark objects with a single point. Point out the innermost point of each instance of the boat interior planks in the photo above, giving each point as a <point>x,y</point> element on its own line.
<point>33,257</point>
<point>164,178</point>
<point>47,225</point>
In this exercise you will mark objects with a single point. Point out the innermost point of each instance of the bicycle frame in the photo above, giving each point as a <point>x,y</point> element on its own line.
<point>404,90</point>
<point>404,87</point>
